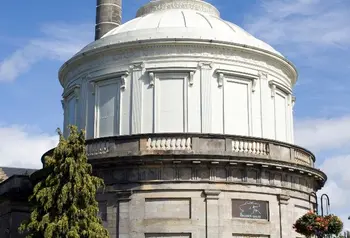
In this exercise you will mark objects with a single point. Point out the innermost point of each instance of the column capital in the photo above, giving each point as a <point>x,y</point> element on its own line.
<point>212,194</point>
<point>137,66</point>
<point>205,65</point>
<point>283,199</point>
<point>123,195</point>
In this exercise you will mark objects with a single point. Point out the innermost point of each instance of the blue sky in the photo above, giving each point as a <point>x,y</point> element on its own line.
<point>37,37</point>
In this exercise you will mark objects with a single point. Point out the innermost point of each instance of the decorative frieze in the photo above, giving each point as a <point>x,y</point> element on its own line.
<point>243,59</point>
<point>206,173</point>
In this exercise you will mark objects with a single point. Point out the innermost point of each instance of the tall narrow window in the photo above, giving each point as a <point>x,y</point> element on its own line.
<point>281,115</point>
<point>107,108</point>
<point>237,93</point>
<point>171,101</point>
<point>71,110</point>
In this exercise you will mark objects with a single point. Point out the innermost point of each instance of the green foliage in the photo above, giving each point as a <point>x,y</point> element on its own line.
<point>64,203</point>
<point>335,225</point>
<point>304,225</point>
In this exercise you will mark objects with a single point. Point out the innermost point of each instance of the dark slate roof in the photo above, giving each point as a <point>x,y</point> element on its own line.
<point>17,171</point>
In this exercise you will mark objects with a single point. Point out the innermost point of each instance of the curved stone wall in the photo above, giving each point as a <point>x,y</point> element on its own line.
<point>183,185</point>
<point>209,211</point>
<point>195,185</point>
<point>182,88</point>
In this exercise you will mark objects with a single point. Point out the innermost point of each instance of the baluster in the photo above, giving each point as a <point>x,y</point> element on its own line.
<point>178,143</point>
<point>168,143</point>
<point>162,144</point>
<point>245,147</point>
<point>173,143</point>
<point>254,147</point>
<point>235,146</point>
<point>262,148</point>
<point>158,141</point>
<point>250,149</point>
<point>258,148</point>
<point>183,143</point>
<point>188,143</point>
<point>241,147</point>
<point>153,144</point>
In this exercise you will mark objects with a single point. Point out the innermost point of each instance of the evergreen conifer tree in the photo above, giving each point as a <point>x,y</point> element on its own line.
<point>64,203</point>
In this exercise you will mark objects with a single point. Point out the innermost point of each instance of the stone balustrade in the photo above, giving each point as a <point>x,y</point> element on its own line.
<point>250,147</point>
<point>168,143</point>
<point>200,144</point>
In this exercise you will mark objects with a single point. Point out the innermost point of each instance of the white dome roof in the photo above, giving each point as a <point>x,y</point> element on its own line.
<point>180,19</point>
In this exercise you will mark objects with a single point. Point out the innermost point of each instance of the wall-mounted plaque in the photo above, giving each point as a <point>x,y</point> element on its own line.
<point>250,209</point>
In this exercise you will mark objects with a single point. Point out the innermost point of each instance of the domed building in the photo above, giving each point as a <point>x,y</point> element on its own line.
<point>189,121</point>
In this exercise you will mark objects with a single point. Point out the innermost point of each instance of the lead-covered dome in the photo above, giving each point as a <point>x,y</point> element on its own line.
<point>180,19</point>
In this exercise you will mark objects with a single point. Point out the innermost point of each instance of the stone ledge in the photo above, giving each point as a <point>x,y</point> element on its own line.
<point>198,144</point>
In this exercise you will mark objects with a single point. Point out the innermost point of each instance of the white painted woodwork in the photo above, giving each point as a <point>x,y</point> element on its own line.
<point>237,100</point>
<point>107,108</point>
<point>281,123</point>
<point>171,102</point>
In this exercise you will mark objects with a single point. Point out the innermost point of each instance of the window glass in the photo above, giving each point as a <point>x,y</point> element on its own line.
<point>107,109</point>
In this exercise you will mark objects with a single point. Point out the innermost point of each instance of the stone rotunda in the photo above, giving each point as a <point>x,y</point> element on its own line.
<point>189,121</point>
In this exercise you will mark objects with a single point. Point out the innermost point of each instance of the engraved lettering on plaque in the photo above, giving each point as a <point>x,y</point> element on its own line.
<point>250,209</point>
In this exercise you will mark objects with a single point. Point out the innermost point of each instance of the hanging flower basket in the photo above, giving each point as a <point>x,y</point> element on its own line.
<point>312,224</point>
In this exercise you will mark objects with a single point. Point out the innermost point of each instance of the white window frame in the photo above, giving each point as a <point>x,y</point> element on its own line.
<point>224,76</point>
<point>71,93</point>
<point>117,109</point>
<point>187,81</point>
<point>280,89</point>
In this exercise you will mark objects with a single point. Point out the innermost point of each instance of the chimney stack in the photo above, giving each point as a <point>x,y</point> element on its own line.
<point>108,16</point>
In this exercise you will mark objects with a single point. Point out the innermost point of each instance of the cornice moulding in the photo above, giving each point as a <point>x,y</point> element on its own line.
<point>222,50</point>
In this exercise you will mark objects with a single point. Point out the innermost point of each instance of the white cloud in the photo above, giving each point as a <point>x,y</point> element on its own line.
<point>23,146</point>
<point>58,42</point>
<point>338,186</point>
<point>309,23</point>
<point>333,135</point>
<point>324,133</point>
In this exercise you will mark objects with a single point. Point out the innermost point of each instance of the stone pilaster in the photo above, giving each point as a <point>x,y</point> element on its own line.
<point>206,95</point>
<point>136,96</point>
<point>285,216</point>
<point>123,215</point>
<point>212,216</point>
